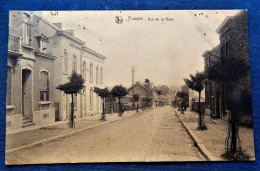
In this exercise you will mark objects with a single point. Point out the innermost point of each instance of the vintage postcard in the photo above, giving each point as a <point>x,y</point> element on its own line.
<point>128,86</point>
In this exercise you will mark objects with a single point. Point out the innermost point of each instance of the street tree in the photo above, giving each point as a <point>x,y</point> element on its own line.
<point>158,93</point>
<point>164,89</point>
<point>136,99</point>
<point>103,93</point>
<point>119,92</point>
<point>233,73</point>
<point>73,87</point>
<point>147,81</point>
<point>196,82</point>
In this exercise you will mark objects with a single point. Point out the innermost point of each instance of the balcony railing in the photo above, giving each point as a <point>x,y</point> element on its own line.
<point>14,44</point>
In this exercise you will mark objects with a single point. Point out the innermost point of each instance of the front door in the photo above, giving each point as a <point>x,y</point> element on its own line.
<point>27,93</point>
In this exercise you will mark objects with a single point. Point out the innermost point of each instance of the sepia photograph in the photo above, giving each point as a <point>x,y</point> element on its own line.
<point>128,86</point>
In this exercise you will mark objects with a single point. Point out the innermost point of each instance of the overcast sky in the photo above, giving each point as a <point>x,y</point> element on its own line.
<point>163,51</point>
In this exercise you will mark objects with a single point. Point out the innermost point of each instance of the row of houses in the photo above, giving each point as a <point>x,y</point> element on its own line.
<point>41,55</point>
<point>233,36</point>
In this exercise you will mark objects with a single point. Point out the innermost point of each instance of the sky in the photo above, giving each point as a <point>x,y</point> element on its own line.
<point>163,51</point>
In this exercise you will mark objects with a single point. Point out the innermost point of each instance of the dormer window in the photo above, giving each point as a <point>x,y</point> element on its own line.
<point>42,40</point>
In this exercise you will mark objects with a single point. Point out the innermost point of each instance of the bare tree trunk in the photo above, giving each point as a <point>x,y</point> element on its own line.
<point>103,116</point>
<point>119,107</point>
<point>137,106</point>
<point>200,117</point>
<point>71,122</point>
<point>234,132</point>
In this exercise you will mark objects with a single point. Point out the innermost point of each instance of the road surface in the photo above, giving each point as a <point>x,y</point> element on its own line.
<point>155,135</point>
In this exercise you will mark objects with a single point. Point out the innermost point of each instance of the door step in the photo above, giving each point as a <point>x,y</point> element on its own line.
<point>27,122</point>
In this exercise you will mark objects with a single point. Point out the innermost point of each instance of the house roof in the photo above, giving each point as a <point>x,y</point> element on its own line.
<point>215,51</point>
<point>142,86</point>
<point>224,23</point>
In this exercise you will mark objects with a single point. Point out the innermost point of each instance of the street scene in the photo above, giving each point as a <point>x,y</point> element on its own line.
<point>128,86</point>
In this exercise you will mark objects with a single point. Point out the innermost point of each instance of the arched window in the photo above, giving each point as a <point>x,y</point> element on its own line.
<point>84,70</point>
<point>26,28</point>
<point>9,86</point>
<point>74,63</point>
<point>101,75</point>
<point>91,73</point>
<point>44,86</point>
<point>97,75</point>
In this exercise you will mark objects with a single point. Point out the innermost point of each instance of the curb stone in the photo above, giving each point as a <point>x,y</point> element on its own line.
<point>197,142</point>
<point>66,134</point>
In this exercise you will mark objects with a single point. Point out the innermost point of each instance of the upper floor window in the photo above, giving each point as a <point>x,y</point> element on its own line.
<point>43,45</point>
<point>44,86</point>
<point>65,62</point>
<point>101,75</point>
<point>26,28</point>
<point>97,75</point>
<point>84,70</point>
<point>74,64</point>
<point>91,73</point>
<point>227,49</point>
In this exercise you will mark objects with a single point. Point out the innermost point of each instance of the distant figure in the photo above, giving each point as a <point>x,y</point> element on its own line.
<point>183,108</point>
<point>122,109</point>
<point>111,108</point>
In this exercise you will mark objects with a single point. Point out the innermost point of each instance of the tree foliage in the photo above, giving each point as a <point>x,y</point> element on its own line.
<point>75,84</point>
<point>102,92</point>
<point>164,90</point>
<point>119,91</point>
<point>136,97</point>
<point>196,81</point>
<point>228,70</point>
<point>181,94</point>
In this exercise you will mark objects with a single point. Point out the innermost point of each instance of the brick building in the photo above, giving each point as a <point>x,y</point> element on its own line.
<point>233,36</point>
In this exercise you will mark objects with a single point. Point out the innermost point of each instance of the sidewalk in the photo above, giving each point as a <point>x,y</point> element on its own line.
<point>35,136</point>
<point>213,139</point>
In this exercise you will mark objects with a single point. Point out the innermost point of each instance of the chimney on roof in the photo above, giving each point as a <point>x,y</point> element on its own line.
<point>70,32</point>
<point>59,25</point>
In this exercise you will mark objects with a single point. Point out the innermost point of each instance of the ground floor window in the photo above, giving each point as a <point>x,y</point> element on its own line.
<point>44,86</point>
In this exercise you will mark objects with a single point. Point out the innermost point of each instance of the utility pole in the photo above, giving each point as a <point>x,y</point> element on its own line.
<point>133,75</point>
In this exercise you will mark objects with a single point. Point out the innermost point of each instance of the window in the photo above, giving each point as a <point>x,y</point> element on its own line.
<point>44,86</point>
<point>91,99</point>
<point>65,62</point>
<point>97,75</point>
<point>9,86</point>
<point>101,75</point>
<point>43,46</point>
<point>26,28</point>
<point>227,49</point>
<point>74,64</point>
<point>91,73</point>
<point>84,69</point>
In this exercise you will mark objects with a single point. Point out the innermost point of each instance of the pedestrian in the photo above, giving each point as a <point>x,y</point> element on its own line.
<point>122,109</point>
<point>111,108</point>
<point>182,106</point>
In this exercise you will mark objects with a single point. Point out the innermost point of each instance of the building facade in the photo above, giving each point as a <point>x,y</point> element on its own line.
<point>233,36</point>
<point>30,73</point>
<point>42,56</point>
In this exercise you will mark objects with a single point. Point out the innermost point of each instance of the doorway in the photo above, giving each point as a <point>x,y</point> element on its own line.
<point>27,93</point>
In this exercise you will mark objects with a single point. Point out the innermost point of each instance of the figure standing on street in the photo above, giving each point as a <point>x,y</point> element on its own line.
<point>122,108</point>
<point>111,108</point>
